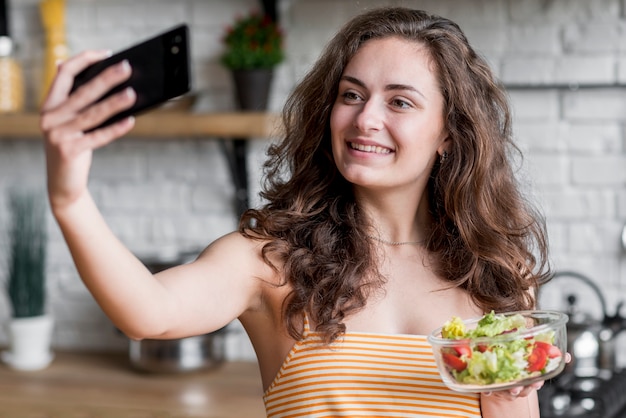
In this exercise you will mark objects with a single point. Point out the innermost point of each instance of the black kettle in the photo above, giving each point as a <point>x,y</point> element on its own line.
<point>591,342</point>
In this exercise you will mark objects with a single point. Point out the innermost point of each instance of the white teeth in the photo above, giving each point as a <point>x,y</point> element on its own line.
<point>370,148</point>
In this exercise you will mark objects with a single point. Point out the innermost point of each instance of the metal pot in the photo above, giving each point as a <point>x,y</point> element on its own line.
<point>591,342</point>
<point>194,353</point>
<point>201,352</point>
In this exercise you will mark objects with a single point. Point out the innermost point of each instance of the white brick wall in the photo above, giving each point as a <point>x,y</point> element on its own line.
<point>160,194</point>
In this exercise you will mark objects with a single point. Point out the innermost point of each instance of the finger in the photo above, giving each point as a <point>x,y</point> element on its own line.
<point>104,136</point>
<point>537,385</point>
<point>52,114</point>
<point>70,137</point>
<point>501,394</point>
<point>525,392</point>
<point>66,72</point>
<point>102,111</point>
<point>77,142</point>
<point>87,94</point>
<point>67,120</point>
<point>93,90</point>
<point>516,391</point>
<point>522,392</point>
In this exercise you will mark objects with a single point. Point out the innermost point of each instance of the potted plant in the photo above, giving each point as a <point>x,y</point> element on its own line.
<point>253,47</point>
<point>30,328</point>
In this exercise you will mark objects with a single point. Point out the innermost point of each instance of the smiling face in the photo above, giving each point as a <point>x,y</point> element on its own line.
<point>387,121</point>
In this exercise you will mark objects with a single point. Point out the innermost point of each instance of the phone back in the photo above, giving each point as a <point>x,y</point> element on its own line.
<point>160,71</point>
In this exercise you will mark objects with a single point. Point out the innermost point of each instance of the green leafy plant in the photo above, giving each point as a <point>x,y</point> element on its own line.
<point>253,41</point>
<point>27,257</point>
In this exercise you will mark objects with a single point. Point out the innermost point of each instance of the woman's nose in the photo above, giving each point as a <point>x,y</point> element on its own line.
<point>369,117</point>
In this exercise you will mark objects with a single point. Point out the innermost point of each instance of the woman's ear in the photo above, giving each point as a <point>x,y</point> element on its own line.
<point>444,148</point>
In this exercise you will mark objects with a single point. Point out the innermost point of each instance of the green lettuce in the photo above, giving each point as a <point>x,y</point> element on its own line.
<point>499,361</point>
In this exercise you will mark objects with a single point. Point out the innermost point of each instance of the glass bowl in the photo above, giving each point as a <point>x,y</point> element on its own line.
<point>531,352</point>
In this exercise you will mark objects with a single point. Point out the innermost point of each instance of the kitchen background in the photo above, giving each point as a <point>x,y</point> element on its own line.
<point>563,61</point>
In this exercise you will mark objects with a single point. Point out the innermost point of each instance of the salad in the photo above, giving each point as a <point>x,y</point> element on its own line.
<point>485,361</point>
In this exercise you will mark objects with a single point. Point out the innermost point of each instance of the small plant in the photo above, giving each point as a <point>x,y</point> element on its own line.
<point>27,257</point>
<point>254,41</point>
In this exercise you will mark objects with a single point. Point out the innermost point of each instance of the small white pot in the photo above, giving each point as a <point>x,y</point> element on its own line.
<point>29,343</point>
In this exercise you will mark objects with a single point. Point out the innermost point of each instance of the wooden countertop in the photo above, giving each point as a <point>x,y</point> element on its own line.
<point>105,386</point>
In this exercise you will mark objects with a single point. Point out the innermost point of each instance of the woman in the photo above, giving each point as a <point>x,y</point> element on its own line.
<point>391,206</point>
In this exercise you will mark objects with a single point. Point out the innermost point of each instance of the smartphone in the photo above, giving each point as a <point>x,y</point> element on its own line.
<point>160,71</point>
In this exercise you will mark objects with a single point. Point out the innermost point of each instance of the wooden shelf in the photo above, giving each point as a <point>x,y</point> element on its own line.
<point>166,124</point>
<point>179,125</point>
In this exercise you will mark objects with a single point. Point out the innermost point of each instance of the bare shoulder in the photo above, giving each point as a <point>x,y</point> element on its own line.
<point>236,241</point>
<point>240,255</point>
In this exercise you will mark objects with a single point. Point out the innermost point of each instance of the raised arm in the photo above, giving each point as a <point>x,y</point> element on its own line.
<point>199,297</point>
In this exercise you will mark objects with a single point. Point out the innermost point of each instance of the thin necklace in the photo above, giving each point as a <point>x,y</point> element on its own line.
<point>384,241</point>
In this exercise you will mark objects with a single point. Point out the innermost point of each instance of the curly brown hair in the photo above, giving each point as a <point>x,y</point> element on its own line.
<point>485,237</point>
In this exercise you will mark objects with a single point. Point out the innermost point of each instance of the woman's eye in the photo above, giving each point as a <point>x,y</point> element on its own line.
<point>350,96</point>
<point>402,104</point>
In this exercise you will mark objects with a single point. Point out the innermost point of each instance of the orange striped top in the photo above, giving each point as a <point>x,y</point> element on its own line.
<point>364,375</point>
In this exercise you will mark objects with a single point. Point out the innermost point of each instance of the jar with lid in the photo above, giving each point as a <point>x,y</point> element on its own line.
<point>11,79</point>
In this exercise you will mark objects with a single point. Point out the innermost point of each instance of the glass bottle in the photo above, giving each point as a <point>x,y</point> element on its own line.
<point>53,20</point>
<point>11,79</point>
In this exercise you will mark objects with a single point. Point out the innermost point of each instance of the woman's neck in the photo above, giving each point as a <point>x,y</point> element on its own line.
<point>396,218</point>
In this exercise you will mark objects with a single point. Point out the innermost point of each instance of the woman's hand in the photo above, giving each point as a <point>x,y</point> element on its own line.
<point>516,392</point>
<point>65,120</point>
<point>518,402</point>
<point>523,391</point>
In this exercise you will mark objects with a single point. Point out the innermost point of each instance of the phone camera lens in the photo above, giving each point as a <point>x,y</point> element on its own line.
<point>175,50</point>
<point>177,39</point>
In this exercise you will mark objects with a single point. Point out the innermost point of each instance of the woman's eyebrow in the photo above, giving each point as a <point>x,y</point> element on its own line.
<point>389,87</point>
<point>354,80</point>
<point>403,87</point>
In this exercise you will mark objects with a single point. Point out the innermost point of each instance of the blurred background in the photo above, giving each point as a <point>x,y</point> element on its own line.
<point>562,61</point>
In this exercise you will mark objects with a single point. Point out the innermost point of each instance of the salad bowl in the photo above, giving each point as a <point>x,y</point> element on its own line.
<point>500,351</point>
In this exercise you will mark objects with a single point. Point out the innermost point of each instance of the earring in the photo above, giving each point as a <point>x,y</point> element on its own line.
<point>443,157</point>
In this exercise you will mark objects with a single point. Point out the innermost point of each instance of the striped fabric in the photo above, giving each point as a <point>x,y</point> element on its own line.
<point>364,375</point>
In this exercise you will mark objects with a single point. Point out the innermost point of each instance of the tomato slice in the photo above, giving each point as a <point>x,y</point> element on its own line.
<point>552,350</point>
<point>537,359</point>
<point>454,362</point>
<point>463,350</point>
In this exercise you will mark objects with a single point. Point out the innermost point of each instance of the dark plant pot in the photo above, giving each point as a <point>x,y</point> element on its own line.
<point>252,88</point>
